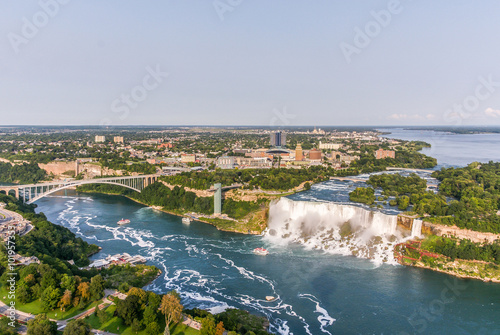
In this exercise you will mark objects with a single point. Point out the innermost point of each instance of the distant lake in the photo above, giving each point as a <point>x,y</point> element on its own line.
<point>452,149</point>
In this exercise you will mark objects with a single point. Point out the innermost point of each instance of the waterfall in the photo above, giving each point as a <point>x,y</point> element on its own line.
<point>334,228</point>
<point>416,228</point>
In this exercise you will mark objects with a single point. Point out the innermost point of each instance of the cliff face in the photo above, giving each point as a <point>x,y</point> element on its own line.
<point>474,236</point>
<point>89,170</point>
<point>428,228</point>
<point>406,221</point>
<point>58,168</point>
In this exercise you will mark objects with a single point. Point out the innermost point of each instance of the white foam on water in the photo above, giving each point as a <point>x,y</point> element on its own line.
<point>324,318</point>
<point>197,289</point>
<point>334,228</point>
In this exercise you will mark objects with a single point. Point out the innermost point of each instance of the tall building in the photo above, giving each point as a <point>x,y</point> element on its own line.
<point>218,199</point>
<point>381,154</point>
<point>329,146</point>
<point>226,162</point>
<point>315,154</point>
<point>278,139</point>
<point>100,139</point>
<point>299,154</point>
<point>118,139</point>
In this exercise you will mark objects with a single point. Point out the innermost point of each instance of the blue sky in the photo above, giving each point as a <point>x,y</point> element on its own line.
<point>242,62</point>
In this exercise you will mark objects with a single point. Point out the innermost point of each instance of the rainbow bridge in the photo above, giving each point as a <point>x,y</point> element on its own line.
<point>33,192</point>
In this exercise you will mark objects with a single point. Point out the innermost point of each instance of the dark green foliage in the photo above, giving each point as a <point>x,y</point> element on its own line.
<point>238,209</point>
<point>464,249</point>
<point>41,325</point>
<point>242,322</point>
<point>403,202</point>
<point>96,288</point>
<point>50,297</point>
<point>77,327</point>
<point>266,179</point>
<point>50,243</point>
<point>395,184</point>
<point>174,199</point>
<point>128,309</point>
<point>22,173</point>
<point>6,328</point>
<point>138,275</point>
<point>364,195</point>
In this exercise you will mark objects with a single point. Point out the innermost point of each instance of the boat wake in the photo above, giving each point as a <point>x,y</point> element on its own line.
<point>218,281</point>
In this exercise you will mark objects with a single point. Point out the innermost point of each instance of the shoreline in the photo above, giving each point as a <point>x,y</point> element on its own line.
<point>158,208</point>
<point>451,273</point>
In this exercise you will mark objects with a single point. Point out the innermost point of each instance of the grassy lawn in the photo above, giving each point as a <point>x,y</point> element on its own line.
<point>35,307</point>
<point>116,325</point>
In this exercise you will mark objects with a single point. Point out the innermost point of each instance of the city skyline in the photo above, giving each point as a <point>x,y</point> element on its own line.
<point>394,63</point>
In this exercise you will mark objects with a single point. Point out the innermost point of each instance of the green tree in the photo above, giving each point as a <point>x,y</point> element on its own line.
<point>77,327</point>
<point>50,297</point>
<point>136,325</point>
<point>96,288</point>
<point>102,315</point>
<point>208,326</point>
<point>153,328</point>
<point>128,309</point>
<point>150,315</point>
<point>403,202</point>
<point>41,325</point>
<point>68,282</point>
<point>6,328</point>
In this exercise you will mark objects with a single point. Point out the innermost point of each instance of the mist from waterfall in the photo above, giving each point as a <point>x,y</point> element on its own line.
<point>334,228</point>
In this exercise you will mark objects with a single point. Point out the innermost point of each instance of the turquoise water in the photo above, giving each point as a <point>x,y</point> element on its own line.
<point>317,293</point>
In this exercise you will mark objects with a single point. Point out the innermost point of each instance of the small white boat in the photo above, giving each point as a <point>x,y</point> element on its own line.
<point>270,298</point>
<point>123,221</point>
<point>260,251</point>
<point>186,220</point>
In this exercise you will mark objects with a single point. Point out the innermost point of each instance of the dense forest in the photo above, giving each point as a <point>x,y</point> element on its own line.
<point>177,200</point>
<point>21,173</point>
<point>266,179</point>
<point>468,197</point>
<point>463,249</point>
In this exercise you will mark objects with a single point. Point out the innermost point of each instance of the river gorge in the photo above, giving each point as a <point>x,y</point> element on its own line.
<point>330,265</point>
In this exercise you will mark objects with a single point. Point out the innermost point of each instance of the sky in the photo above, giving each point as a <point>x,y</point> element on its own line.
<point>242,62</point>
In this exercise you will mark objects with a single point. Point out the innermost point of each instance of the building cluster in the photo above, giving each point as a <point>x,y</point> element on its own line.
<point>381,154</point>
<point>118,259</point>
<point>12,223</point>
<point>102,139</point>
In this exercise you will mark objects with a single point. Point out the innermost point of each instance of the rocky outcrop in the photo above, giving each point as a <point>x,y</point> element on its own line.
<point>448,231</point>
<point>199,193</point>
<point>406,221</point>
<point>58,168</point>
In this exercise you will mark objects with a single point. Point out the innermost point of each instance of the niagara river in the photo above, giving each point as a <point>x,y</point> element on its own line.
<point>324,283</point>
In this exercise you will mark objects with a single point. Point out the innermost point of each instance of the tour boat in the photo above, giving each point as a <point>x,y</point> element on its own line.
<point>186,220</point>
<point>123,221</point>
<point>260,251</point>
<point>270,298</point>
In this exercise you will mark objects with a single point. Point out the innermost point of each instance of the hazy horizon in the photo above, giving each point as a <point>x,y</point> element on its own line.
<point>330,63</point>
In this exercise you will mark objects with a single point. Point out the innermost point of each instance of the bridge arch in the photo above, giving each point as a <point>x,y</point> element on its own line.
<point>96,181</point>
<point>12,192</point>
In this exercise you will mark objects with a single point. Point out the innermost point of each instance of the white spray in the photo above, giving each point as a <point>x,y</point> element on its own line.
<point>334,228</point>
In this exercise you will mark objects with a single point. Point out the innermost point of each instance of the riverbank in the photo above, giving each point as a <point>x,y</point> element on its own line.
<point>411,254</point>
<point>231,225</point>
